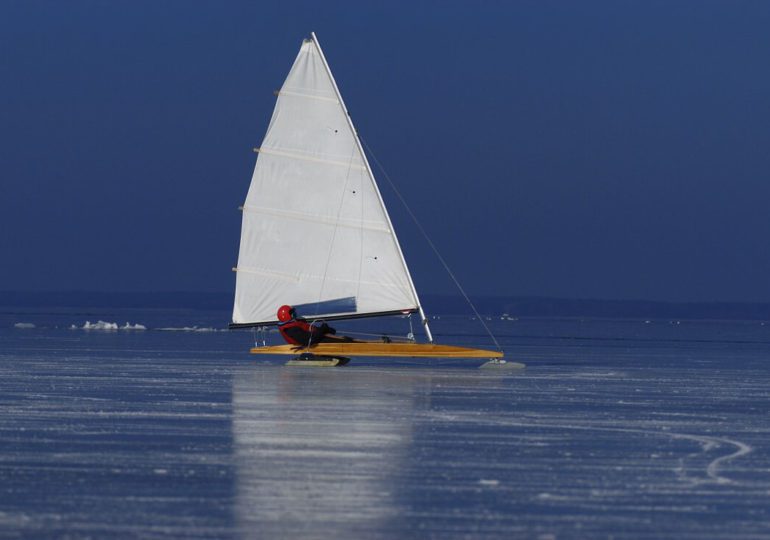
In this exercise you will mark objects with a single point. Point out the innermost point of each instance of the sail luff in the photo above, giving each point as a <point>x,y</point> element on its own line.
<point>374,183</point>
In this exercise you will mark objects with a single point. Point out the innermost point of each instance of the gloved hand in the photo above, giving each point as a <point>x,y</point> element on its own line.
<point>325,328</point>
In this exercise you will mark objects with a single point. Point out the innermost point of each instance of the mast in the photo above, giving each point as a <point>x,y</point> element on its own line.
<point>376,187</point>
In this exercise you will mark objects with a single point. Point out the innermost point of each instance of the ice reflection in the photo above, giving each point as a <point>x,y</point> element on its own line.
<point>321,449</point>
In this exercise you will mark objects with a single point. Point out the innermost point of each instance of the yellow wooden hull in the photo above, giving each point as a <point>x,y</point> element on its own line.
<point>378,348</point>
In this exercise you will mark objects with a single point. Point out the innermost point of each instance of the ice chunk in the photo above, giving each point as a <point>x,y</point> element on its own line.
<point>129,326</point>
<point>23,325</point>
<point>100,325</point>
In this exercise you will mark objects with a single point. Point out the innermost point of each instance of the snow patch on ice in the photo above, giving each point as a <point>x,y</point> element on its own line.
<point>24,325</point>
<point>189,329</point>
<point>108,326</point>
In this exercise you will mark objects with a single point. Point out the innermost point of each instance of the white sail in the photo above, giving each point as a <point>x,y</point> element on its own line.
<point>315,233</point>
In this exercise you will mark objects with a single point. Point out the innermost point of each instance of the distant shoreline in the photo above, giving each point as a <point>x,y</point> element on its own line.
<point>513,306</point>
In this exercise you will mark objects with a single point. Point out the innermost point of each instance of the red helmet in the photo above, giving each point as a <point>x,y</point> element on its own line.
<point>285,313</point>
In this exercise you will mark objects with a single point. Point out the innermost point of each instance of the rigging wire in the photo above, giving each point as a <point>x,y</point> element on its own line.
<point>430,242</point>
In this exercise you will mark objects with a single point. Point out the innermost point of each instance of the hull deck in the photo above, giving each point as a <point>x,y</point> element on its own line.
<point>377,348</point>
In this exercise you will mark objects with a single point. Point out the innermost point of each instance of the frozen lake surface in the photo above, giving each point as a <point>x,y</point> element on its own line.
<point>622,429</point>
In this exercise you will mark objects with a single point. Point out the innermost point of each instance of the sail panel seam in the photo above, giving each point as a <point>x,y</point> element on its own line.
<point>292,155</point>
<point>314,218</point>
<point>264,272</point>
<point>310,277</point>
<point>308,96</point>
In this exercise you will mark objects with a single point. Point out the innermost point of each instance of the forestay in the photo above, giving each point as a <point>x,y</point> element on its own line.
<point>315,233</point>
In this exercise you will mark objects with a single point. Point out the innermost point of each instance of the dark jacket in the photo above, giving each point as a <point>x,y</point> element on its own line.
<point>299,332</point>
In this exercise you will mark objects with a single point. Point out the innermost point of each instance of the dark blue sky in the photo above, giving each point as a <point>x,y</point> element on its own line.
<point>613,149</point>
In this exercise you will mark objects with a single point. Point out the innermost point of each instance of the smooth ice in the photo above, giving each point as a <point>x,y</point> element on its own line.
<point>620,429</point>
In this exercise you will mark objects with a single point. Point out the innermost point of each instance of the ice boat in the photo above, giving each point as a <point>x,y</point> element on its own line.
<point>315,231</point>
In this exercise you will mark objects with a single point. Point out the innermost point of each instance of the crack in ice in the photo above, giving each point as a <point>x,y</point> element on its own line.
<point>707,443</point>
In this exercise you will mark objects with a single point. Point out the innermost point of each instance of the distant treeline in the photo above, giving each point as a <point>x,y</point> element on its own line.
<point>434,305</point>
